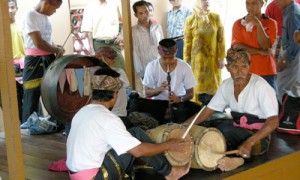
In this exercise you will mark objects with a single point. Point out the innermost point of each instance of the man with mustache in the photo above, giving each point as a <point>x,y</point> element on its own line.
<point>257,33</point>
<point>254,109</point>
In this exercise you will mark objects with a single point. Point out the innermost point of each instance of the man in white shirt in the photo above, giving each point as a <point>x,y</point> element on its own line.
<point>254,109</point>
<point>101,24</point>
<point>99,146</point>
<point>40,52</point>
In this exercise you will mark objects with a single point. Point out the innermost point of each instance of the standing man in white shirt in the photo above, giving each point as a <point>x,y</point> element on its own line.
<point>175,24</point>
<point>101,25</point>
<point>40,52</point>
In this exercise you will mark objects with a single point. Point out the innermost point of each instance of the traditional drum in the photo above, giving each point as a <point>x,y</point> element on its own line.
<point>172,131</point>
<point>210,146</point>
<point>63,105</point>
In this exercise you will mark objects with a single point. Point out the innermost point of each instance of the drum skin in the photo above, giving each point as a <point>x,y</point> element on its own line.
<point>165,132</point>
<point>210,145</point>
<point>63,106</point>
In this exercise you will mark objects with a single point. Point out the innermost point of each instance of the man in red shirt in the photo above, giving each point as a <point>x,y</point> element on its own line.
<point>257,33</point>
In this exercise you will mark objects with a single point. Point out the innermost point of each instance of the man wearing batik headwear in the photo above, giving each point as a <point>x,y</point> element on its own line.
<point>254,109</point>
<point>178,93</point>
<point>108,56</point>
<point>40,52</point>
<point>99,146</point>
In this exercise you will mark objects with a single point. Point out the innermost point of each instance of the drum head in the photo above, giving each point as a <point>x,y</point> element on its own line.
<point>177,158</point>
<point>210,148</point>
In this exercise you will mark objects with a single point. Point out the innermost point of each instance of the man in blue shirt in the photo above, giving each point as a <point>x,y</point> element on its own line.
<point>175,24</point>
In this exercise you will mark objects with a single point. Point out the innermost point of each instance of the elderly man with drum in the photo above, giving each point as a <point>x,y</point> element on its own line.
<point>253,106</point>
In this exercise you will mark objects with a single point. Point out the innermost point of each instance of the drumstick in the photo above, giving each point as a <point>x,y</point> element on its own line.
<point>231,152</point>
<point>190,126</point>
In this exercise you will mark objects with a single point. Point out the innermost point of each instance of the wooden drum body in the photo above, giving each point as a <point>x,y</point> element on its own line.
<point>210,146</point>
<point>174,131</point>
<point>63,106</point>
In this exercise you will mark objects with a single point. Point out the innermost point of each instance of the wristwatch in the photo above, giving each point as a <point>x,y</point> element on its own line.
<point>181,99</point>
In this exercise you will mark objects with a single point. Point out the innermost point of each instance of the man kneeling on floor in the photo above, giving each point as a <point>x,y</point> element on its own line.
<point>99,146</point>
<point>254,109</point>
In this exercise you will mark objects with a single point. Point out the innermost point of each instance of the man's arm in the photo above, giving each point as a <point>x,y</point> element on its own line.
<point>252,50</point>
<point>44,45</point>
<point>147,149</point>
<point>91,42</point>
<point>150,92</point>
<point>205,114</point>
<point>270,125</point>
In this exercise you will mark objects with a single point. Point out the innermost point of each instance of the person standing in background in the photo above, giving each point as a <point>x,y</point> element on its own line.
<point>288,63</point>
<point>101,25</point>
<point>175,24</point>
<point>257,33</point>
<point>145,38</point>
<point>274,12</point>
<point>18,50</point>
<point>151,11</point>
<point>204,50</point>
<point>40,52</point>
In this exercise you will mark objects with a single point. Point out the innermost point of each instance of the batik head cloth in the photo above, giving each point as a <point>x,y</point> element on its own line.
<point>237,55</point>
<point>167,47</point>
<point>104,82</point>
<point>55,3</point>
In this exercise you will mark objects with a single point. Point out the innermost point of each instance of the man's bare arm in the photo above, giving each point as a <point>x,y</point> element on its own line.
<point>44,45</point>
<point>205,114</point>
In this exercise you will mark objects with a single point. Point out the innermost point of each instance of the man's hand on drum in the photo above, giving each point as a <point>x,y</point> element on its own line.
<point>173,99</point>
<point>179,145</point>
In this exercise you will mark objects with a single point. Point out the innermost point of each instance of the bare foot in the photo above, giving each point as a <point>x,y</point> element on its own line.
<point>178,172</point>
<point>228,164</point>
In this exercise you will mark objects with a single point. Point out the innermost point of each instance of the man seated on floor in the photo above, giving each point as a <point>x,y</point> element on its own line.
<point>99,146</point>
<point>254,109</point>
<point>169,83</point>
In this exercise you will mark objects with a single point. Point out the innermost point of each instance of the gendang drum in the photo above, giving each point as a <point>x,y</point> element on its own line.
<point>210,145</point>
<point>173,131</point>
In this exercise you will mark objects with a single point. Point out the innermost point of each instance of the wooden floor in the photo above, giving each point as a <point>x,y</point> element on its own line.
<point>41,150</point>
<point>38,152</point>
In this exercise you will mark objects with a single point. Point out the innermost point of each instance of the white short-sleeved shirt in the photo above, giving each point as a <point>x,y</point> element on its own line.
<point>182,78</point>
<point>94,131</point>
<point>119,108</point>
<point>33,21</point>
<point>101,20</point>
<point>257,98</point>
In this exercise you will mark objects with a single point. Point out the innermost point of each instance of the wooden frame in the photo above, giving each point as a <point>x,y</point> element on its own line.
<point>9,98</point>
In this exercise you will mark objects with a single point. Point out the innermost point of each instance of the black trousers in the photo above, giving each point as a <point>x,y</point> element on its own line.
<point>34,69</point>
<point>158,108</point>
<point>125,161</point>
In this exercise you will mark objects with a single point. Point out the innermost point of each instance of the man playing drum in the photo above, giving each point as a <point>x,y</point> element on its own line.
<point>99,146</point>
<point>254,109</point>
